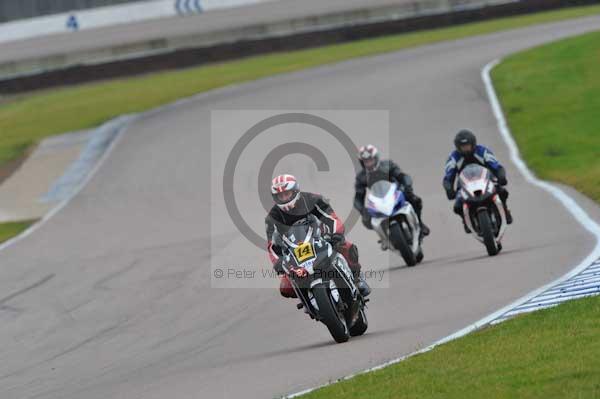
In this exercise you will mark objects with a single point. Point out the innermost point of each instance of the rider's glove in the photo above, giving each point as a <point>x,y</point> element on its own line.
<point>451,193</point>
<point>278,266</point>
<point>337,240</point>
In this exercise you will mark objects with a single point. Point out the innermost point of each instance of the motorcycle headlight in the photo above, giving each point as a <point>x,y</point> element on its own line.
<point>309,266</point>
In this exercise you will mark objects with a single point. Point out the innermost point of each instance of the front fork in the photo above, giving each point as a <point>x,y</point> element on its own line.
<point>502,212</point>
<point>499,205</point>
<point>467,217</point>
<point>379,229</point>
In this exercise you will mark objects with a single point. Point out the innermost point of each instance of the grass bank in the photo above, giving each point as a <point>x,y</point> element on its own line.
<point>12,229</point>
<point>553,353</point>
<point>551,97</point>
<point>27,119</point>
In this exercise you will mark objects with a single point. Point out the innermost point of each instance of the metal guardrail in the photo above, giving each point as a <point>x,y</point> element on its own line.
<point>11,10</point>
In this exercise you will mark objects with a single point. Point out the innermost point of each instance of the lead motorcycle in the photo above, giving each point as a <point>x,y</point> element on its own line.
<point>322,280</point>
<point>395,221</point>
<point>482,207</point>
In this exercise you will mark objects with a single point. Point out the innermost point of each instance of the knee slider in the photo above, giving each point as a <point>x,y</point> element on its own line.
<point>458,208</point>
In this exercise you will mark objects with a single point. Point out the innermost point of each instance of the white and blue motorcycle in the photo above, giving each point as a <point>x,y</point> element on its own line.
<point>395,221</point>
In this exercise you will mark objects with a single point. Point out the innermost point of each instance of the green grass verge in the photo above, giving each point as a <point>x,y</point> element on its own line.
<point>551,97</point>
<point>27,119</point>
<point>12,229</point>
<point>553,353</point>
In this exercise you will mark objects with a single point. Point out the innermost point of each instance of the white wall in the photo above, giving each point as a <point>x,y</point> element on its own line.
<point>113,15</point>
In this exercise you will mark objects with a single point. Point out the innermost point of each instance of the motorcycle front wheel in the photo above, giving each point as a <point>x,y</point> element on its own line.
<point>361,325</point>
<point>401,244</point>
<point>335,322</point>
<point>485,227</point>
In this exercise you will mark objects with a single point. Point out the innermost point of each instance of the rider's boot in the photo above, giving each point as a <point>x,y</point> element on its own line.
<point>384,246</point>
<point>467,229</point>
<point>509,218</point>
<point>424,229</point>
<point>363,287</point>
<point>361,284</point>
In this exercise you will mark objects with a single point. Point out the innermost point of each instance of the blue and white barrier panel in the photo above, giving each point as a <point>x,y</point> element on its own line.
<point>112,15</point>
<point>584,284</point>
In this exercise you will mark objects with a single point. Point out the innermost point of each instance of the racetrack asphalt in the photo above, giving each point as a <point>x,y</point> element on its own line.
<point>112,297</point>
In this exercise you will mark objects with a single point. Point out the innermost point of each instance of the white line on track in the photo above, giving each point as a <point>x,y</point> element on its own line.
<point>120,124</point>
<point>568,202</point>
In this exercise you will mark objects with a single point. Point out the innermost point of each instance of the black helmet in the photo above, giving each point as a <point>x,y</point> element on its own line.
<point>465,137</point>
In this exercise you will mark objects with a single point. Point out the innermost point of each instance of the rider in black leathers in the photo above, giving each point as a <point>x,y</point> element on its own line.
<point>292,205</point>
<point>375,170</point>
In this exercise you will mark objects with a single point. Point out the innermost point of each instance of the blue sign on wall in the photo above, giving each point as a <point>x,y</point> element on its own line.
<point>72,23</point>
<point>185,7</point>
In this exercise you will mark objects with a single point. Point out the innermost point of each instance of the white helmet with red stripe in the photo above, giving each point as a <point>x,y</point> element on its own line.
<point>285,191</point>
<point>368,156</point>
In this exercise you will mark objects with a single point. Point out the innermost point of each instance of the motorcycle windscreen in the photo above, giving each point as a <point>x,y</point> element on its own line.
<point>383,198</point>
<point>382,188</point>
<point>474,172</point>
<point>298,233</point>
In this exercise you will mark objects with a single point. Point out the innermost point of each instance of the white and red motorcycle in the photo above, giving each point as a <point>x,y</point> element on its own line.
<point>482,207</point>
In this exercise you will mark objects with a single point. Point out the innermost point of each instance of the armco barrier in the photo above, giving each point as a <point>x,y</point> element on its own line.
<point>273,41</point>
<point>13,10</point>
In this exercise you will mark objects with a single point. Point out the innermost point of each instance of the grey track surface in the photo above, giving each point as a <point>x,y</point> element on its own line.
<point>176,26</point>
<point>112,299</point>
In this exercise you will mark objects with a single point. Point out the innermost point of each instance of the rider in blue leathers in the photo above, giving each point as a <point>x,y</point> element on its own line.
<point>469,152</point>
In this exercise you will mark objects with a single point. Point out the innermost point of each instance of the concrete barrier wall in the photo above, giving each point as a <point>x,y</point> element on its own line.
<point>281,36</point>
<point>136,12</point>
<point>112,15</point>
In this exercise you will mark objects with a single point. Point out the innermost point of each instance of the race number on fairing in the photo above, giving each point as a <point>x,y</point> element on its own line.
<point>304,252</point>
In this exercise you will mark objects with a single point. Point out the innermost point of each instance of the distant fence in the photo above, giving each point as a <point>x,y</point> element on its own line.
<point>11,10</point>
